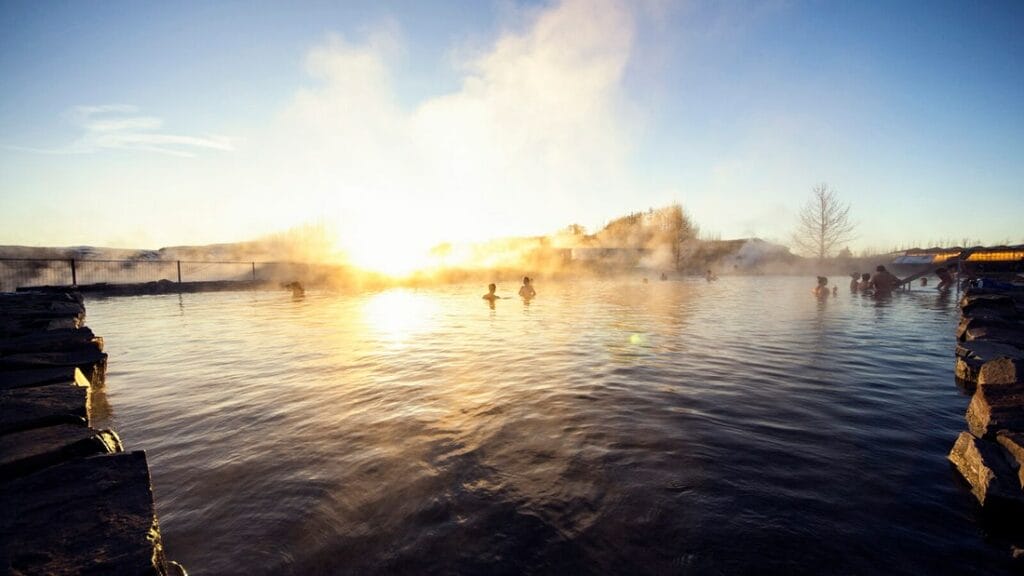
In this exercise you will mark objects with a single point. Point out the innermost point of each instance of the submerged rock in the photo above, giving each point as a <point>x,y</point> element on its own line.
<point>87,516</point>
<point>992,481</point>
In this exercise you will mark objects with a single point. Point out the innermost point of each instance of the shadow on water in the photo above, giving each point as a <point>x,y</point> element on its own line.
<point>736,427</point>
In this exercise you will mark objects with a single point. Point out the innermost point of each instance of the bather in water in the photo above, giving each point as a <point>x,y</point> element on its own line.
<point>526,291</point>
<point>821,289</point>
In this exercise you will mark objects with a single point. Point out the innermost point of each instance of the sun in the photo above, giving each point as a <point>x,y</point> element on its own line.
<point>396,255</point>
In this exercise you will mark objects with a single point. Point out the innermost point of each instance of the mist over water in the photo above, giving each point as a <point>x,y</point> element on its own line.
<point>738,427</point>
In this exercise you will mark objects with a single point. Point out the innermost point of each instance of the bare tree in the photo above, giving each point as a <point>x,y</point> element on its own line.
<point>823,223</point>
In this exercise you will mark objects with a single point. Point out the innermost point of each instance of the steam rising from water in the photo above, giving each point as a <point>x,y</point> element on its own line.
<point>535,134</point>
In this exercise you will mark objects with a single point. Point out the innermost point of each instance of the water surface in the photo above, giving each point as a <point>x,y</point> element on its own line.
<point>737,427</point>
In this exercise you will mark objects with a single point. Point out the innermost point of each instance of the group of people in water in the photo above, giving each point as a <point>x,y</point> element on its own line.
<point>881,283</point>
<point>526,291</point>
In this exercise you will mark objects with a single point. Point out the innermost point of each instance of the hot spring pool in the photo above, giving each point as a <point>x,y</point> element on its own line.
<point>681,427</point>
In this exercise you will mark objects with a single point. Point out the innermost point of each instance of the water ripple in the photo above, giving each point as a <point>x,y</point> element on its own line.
<point>740,427</point>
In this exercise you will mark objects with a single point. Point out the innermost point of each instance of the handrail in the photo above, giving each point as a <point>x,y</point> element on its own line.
<point>104,261</point>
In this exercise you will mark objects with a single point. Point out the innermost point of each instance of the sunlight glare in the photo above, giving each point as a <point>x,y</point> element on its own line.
<point>396,315</point>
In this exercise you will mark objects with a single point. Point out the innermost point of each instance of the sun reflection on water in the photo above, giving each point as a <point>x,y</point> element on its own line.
<point>397,315</point>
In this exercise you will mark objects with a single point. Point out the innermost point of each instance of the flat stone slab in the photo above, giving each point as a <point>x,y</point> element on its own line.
<point>996,407</point>
<point>51,341</point>
<point>972,355</point>
<point>28,313</point>
<point>90,516</point>
<point>1000,302</point>
<point>91,361</point>
<point>1013,444</point>
<point>25,408</point>
<point>1012,336</point>
<point>22,453</point>
<point>13,327</point>
<point>992,481</point>
<point>60,375</point>
<point>1001,371</point>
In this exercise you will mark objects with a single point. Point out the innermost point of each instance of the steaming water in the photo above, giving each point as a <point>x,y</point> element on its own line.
<point>670,428</point>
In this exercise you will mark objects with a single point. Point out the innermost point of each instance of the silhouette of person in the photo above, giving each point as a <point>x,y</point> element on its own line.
<point>884,281</point>
<point>526,291</point>
<point>945,278</point>
<point>865,282</point>
<point>491,296</point>
<point>822,288</point>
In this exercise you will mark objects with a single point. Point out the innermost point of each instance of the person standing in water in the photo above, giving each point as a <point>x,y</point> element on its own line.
<point>491,296</point>
<point>822,288</point>
<point>884,281</point>
<point>865,283</point>
<point>854,281</point>
<point>526,291</point>
<point>945,279</point>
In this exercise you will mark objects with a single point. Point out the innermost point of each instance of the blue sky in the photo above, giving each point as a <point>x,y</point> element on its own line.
<point>149,124</point>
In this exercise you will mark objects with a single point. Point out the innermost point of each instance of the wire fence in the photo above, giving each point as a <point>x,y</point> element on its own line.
<point>30,272</point>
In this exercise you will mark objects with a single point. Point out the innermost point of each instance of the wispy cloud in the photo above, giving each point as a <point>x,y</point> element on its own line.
<point>123,127</point>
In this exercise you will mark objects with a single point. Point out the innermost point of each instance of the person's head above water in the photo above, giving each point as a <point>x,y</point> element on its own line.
<point>491,288</point>
<point>822,281</point>
<point>526,279</point>
<point>865,276</point>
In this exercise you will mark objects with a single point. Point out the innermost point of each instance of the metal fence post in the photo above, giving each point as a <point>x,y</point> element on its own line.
<point>253,271</point>
<point>74,274</point>
<point>179,271</point>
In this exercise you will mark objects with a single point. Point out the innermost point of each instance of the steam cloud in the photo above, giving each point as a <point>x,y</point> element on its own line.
<point>532,136</point>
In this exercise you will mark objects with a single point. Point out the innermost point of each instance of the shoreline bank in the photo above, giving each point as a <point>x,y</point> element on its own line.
<point>73,499</point>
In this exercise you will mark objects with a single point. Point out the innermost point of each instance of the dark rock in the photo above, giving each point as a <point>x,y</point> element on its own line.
<point>61,375</point>
<point>41,297</point>
<point>25,452</point>
<point>1006,335</point>
<point>15,327</point>
<point>993,483</point>
<point>23,314</point>
<point>51,341</point>
<point>1002,303</point>
<point>91,361</point>
<point>1013,444</point>
<point>970,356</point>
<point>90,516</point>
<point>996,407</point>
<point>986,319</point>
<point>25,408</point>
